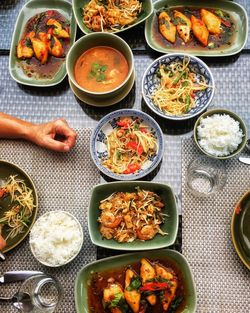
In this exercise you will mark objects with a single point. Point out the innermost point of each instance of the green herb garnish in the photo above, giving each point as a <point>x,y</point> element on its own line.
<point>98,71</point>
<point>135,284</point>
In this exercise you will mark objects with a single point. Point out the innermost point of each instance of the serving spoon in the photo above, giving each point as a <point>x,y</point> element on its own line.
<point>20,300</point>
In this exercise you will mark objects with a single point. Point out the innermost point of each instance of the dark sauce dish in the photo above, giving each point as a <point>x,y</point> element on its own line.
<point>231,40</point>
<point>240,229</point>
<point>94,278</point>
<point>33,17</point>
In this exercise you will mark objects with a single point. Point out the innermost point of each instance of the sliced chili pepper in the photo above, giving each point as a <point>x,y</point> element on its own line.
<point>226,23</point>
<point>154,286</point>
<point>132,168</point>
<point>143,130</point>
<point>124,122</point>
<point>237,209</point>
<point>2,192</point>
<point>50,31</point>
<point>135,146</point>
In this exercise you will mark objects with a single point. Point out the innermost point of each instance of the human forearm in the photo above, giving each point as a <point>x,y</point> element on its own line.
<point>11,127</point>
<point>44,135</point>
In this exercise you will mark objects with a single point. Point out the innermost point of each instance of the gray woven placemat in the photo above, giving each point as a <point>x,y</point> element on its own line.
<point>63,182</point>
<point>222,281</point>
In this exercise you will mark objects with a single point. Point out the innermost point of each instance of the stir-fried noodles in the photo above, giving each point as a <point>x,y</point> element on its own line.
<point>129,146</point>
<point>110,15</point>
<point>126,216</point>
<point>178,87</point>
<point>17,218</point>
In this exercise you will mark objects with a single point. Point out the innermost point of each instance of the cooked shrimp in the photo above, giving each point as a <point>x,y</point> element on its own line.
<point>147,232</point>
<point>108,219</point>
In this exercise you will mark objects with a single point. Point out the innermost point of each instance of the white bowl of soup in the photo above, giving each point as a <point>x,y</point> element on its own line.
<point>100,64</point>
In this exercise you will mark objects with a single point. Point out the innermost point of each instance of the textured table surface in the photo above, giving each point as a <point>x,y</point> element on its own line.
<point>222,281</point>
<point>63,182</point>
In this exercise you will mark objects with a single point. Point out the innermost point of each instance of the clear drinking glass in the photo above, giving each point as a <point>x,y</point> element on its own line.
<point>39,294</point>
<point>205,176</point>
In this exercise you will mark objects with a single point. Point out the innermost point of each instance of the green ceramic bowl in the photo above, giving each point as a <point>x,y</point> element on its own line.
<point>170,225</point>
<point>108,264</point>
<point>238,13</point>
<point>240,229</point>
<point>236,118</point>
<point>30,9</point>
<point>7,169</point>
<point>93,40</point>
<point>147,10</point>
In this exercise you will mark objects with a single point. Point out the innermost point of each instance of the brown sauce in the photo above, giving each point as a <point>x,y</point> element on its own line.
<point>221,41</point>
<point>33,67</point>
<point>100,280</point>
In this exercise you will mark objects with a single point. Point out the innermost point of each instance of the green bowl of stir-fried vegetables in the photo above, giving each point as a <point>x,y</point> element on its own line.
<point>135,215</point>
<point>18,205</point>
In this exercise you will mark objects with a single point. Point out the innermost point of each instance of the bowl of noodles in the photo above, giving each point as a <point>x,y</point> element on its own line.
<point>110,15</point>
<point>178,86</point>
<point>127,144</point>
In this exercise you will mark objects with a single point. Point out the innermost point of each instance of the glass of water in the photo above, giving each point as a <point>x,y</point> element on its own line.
<point>39,294</point>
<point>205,176</point>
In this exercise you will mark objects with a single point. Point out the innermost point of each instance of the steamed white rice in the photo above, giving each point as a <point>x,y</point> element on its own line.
<point>55,238</point>
<point>219,134</point>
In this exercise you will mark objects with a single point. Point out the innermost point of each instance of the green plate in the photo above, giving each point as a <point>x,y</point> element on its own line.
<point>239,14</point>
<point>240,229</point>
<point>7,169</point>
<point>30,9</point>
<point>147,8</point>
<point>177,259</point>
<point>232,115</point>
<point>170,225</point>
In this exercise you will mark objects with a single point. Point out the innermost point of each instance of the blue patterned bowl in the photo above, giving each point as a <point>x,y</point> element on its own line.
<point>151,81</point>
<point>106,125</point>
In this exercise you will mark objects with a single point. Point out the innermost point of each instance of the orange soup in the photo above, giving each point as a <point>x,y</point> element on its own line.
<point>101,69</point>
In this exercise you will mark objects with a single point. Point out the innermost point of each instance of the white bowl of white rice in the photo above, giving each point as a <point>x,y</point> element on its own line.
<point>220,134</point>
<point>56,238</point>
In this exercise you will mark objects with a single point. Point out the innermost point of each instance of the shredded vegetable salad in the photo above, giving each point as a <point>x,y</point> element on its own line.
<point>126,216</point>
<point>130,145</point>
<point>110,15</point>
<point>17,218</point>
<point>178,87</point>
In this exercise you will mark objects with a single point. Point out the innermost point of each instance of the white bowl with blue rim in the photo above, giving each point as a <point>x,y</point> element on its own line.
<point>151,82</point>
<point>106,125</point>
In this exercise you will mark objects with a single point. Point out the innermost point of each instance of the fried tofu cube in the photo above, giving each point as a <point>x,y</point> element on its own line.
<point>40,49</point>
<point>200,30</point>
<point>168,294</point>
<point>133,297</point>
<point>166,27</point>
<point>212,21</point>
<point>110,293</point>
<point>147,272</point>
<point>184,25</point>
